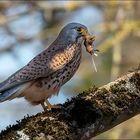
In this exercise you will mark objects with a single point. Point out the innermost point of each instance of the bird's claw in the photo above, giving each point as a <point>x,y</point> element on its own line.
<point>50,107</point>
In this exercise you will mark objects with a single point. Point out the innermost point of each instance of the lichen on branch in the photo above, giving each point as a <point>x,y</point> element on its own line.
<point>85,116</point>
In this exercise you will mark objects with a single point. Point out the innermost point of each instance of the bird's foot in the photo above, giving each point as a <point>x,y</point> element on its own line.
<point>49,106</point>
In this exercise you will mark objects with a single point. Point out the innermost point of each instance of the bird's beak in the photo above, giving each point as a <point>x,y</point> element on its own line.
<point>85,33</point>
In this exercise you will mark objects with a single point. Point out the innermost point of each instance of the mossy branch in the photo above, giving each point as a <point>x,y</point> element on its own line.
<point>89,114</point>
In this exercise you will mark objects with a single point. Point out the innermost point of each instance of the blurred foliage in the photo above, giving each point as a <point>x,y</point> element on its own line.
<point>117,38</point>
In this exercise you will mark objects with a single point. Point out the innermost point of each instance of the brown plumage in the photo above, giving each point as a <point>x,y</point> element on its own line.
<point>45,74</point>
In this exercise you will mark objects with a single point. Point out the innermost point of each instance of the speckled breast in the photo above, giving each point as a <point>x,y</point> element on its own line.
<point>60,77</point>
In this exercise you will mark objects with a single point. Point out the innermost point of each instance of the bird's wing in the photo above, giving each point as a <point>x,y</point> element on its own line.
<point>42,65</point>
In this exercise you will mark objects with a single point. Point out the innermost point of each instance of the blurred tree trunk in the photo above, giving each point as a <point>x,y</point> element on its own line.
<point>85,116</point>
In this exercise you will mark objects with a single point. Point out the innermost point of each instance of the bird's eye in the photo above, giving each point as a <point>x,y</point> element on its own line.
<point>80,30</point>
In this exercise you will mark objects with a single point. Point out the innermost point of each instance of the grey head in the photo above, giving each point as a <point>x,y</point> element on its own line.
<point>72,31</point>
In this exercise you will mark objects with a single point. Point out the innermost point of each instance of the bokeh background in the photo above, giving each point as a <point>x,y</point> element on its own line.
<point>27,27</point>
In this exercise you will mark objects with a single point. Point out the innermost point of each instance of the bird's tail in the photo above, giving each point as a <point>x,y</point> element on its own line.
<point>3,84</point>
<point>12,92</point>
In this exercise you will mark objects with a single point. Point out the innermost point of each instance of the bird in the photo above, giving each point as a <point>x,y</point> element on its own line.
<point>47,72</point>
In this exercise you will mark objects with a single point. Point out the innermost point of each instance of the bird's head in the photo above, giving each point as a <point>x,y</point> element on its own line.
<point>73,31</point>
<point>77,33</point>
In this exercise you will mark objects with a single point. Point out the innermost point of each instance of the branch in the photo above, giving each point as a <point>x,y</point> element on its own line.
<point>85,116</point>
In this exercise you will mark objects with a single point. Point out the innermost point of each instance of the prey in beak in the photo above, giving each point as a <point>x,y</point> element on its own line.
<point>88,42</point>
<point>89,39</point>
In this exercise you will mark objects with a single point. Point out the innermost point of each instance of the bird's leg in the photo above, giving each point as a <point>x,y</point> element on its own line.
<point>43,105</point>
<point>50,106</point>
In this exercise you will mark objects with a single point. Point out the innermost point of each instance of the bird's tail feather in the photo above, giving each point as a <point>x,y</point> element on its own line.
<point>12,93</point>
<point>2,84</point>
<point>7,94</point>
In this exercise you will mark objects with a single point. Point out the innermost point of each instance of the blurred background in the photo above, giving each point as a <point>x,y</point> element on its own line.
<point>26,28</point>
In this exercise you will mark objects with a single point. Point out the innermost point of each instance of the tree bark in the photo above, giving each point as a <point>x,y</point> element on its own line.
<point>85,116</point>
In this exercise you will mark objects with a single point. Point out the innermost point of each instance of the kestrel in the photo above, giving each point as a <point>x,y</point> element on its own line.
<point>46,73</point>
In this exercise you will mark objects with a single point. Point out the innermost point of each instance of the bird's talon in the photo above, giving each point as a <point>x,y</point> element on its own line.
<point>50,107</point>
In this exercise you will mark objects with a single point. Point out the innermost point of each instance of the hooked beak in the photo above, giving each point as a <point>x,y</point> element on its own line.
<point>85,33</point>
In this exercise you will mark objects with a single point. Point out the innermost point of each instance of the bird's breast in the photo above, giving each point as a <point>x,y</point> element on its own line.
<point>71,59</point>
<point>68,55</point>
